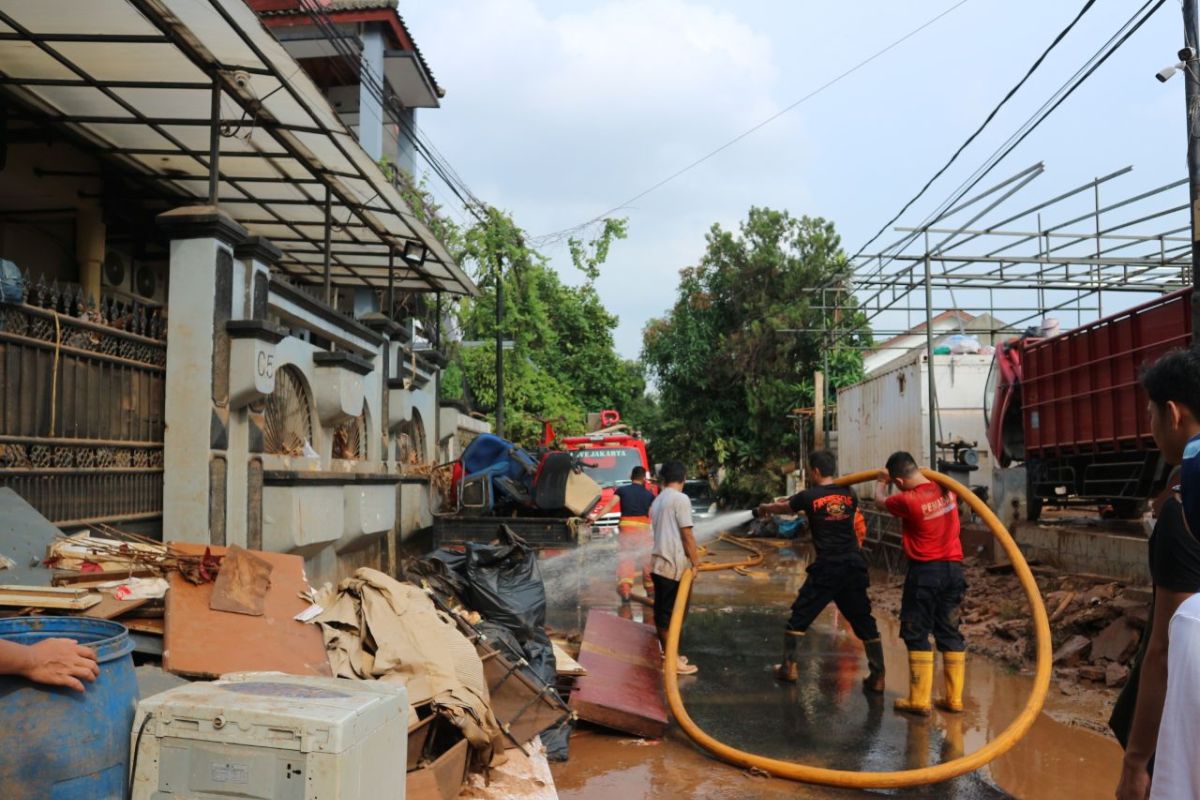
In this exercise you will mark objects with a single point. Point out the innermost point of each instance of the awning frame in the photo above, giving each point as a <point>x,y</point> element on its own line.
<point>360,235</point>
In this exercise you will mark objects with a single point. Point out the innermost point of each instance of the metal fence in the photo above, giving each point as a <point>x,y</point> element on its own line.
<point>82,389</point>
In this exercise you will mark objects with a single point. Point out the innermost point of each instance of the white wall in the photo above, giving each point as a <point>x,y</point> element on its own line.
<point>890,412</point>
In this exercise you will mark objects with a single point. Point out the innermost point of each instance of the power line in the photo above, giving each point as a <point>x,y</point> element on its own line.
<point>992,115</point>
<point>765,122</point>
<point>1114,43</point>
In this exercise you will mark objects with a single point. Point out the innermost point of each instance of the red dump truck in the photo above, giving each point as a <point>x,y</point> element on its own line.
<point>1071,409</point>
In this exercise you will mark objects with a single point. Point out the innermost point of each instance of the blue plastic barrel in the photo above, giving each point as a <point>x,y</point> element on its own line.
<point>59,744</point>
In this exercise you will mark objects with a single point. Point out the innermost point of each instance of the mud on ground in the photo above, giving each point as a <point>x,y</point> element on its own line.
<point>1096,624</point>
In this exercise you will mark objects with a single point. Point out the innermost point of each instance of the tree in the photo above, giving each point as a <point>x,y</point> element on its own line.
<point>562,363</point>
<point>728,371</point>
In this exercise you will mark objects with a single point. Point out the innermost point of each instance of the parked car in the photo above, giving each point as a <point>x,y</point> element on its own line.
<point>704,505</point>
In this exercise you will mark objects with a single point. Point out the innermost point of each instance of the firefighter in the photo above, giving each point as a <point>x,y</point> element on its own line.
<point>934,586</point>
<point>839,573</point>
<point>634,538</point>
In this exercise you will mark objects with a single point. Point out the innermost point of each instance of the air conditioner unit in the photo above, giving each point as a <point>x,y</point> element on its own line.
<point>116,271</point>
<point>126,278</point>
<point>149,284</point>
<point>269,736</point>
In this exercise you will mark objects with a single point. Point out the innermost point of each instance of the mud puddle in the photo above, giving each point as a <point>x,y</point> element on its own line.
<point>733,635</point>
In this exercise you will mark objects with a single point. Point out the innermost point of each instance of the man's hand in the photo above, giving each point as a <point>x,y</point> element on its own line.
<point>1134,783</point>
<point>61,662</point>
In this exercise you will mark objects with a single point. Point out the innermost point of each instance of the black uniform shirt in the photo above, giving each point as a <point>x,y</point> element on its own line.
<point>830,510</point>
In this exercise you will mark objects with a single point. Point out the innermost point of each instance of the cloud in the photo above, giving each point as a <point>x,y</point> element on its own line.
<point>559,111</point>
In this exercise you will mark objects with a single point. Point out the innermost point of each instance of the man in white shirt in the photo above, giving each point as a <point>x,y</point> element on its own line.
<point>674,550</point>
<point>1176,766</point>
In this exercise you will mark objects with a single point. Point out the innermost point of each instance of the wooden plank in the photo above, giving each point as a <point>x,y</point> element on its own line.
<point>203,643</point>
<point>48,597</point>
<point>242,584</point>
<point>623,689</point>
<point>564,664</point>
<point>87,579</point>
<point>110,607</point>
<point>150,626</point>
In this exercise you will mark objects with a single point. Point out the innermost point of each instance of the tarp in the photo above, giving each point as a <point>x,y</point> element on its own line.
<point>379,628</point>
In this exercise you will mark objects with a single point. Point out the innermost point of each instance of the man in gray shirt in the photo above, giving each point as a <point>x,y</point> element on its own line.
<point>674,550</point>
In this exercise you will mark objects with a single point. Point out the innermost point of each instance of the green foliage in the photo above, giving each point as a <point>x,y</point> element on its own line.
<point>728,373</point>
<point>562,363</point>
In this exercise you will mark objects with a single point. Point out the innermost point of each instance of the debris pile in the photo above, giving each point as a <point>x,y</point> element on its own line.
<point>1096,623</point>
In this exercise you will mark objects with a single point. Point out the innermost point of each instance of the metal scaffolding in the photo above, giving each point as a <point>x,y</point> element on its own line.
<point>1060,255</point>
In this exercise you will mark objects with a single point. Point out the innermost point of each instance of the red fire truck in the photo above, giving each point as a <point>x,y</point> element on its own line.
<point>611,453</point>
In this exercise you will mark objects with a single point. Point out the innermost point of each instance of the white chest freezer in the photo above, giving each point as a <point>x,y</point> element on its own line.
<point>268,736</point>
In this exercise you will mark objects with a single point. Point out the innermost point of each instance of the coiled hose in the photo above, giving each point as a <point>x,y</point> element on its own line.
<point>875,780</point>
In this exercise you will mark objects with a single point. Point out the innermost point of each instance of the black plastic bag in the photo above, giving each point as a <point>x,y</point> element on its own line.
<point>505,585</point>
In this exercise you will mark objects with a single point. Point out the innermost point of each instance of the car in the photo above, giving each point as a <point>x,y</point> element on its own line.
<point>704,505</point>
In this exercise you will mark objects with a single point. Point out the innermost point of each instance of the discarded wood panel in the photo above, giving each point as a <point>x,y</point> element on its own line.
<point>565,665</point>
<point>242,584</point>
<point>88,579</point>
<point>148,626</point>
<point>419,730</point>
<point>523,706</point>
<point>203,643</point>
<point>441,779</point>
<point>110,607</point>
<point>623,689</point>
<point>48,597</point>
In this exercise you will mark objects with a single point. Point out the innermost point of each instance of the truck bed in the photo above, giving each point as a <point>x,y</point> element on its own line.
<point>538,532</point>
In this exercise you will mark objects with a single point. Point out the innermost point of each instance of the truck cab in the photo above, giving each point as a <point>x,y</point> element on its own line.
<point>609,456</point>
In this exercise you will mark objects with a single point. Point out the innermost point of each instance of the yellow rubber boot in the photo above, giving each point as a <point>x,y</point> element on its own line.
<point>954,667</point>
<point>920,685</point>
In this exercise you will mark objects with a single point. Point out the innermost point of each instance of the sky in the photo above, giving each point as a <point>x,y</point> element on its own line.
<point>560,110</point>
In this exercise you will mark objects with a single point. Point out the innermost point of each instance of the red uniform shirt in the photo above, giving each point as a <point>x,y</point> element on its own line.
<point>929,520</point>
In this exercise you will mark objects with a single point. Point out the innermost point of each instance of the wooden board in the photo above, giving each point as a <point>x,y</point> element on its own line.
<point>47,597</point>
<point>623,688</point>
<point>203,643</point>
<point>151,627</point>
<point>87,579</point>
<point>110,607</point>
<point>242,584</point>
<point>564,664</point>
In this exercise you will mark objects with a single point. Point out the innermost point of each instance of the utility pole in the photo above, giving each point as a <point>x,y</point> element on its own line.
<point>1191,92</point>
<point>499,347</point>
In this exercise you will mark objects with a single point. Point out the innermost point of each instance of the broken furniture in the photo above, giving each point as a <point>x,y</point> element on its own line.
<point>623,688</point>
<point>266,735</point>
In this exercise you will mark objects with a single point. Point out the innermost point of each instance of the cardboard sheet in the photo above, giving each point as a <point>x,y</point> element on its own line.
<point>203,643</point>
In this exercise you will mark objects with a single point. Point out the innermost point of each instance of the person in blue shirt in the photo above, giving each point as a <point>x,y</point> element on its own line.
<point>1173,385</point>
<point>634,538</point>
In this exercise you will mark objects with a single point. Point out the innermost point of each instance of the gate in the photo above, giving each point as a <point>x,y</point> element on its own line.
<point>81,406</point>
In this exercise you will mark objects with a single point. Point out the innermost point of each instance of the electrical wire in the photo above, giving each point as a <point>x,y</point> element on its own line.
<point>351,69</point>
<point>1115,42</point>
<point>987,120</point>
<point>847,73</point>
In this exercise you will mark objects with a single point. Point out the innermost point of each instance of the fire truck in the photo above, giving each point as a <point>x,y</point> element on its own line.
<point>609,453</point>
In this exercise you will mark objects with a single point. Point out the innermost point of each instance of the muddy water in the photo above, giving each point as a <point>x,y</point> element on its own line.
<point>733,635</point>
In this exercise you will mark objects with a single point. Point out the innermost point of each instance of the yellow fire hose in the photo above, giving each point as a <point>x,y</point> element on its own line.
<point>875,780</point>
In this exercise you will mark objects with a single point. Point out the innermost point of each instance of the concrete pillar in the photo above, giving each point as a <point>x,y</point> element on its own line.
<point>406,149</point>
<point>253,260</point>
<point>370,107</point>
<point>90,236</point>
<point>202,274</point>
